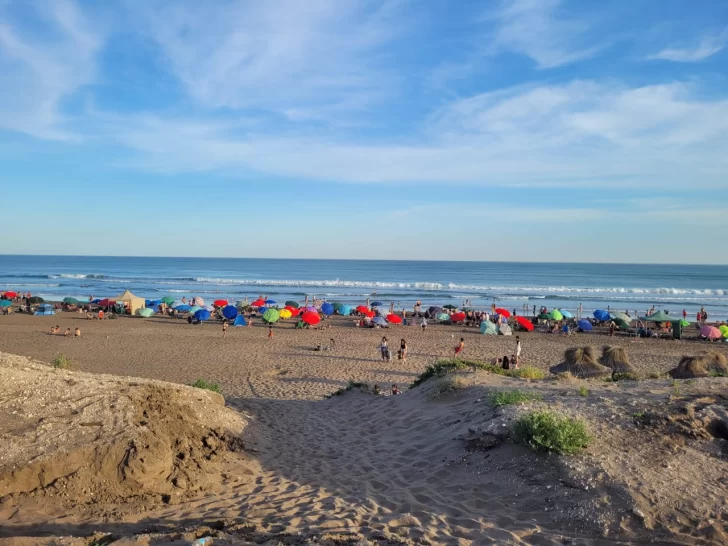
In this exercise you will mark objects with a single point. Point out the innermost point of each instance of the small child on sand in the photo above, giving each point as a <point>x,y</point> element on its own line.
<point>77,332</point>
<point>67,332</point>
<point>460,346</point>
<point>395,390</point>
<point>224,328</point>
<point>270,332</point>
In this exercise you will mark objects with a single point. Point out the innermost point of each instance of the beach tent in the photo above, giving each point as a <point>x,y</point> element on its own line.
<point>45,309</point>
<point>584,325</point>
<point>229,312</point>
<point>601,315</point>
<point>505,330</point>
<point>202,314</point>
<point>146,313</point>
<point>488,328</point>
<point>5,303</point>
<point>327,309</point>
<point>380,321</point>
<point>240,321</point>
<point>135,303</point>
<point>660,316</point>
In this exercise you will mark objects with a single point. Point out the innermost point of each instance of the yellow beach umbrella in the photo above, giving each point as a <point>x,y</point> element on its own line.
<point>285,313</point>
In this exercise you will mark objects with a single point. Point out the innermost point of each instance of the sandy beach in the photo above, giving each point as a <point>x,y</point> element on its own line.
<point>394,470</point>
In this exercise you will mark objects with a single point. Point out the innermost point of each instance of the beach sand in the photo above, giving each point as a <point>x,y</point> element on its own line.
<point>405,469</point>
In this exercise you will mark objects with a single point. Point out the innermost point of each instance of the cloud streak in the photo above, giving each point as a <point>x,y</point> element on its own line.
<point>44,68</point>
<point>707,47</point>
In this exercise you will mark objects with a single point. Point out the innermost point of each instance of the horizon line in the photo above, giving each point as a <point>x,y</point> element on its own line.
<point>361,259</point>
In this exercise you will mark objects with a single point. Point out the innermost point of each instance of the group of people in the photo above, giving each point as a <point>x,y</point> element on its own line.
<point>56,330</point>
<point>386,353</point>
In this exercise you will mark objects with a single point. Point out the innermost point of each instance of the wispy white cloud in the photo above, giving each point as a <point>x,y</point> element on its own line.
<point>297,58</point>
<point>707,47</point>
<point>578,134</point>
<point>544,31</point>
<point>42,68</point>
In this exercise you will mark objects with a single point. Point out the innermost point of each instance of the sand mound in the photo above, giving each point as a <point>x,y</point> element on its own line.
<point>105,439</point>
<point>616,359</point>
<point>702,365</point>
<point>581,362</point>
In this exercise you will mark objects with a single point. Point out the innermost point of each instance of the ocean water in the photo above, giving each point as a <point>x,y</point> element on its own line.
<point>621,287</point>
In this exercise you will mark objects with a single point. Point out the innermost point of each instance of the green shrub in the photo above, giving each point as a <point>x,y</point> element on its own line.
<point>508,398</point>
<point>364,387</point>
<point>583,391</point>
<point>208,385</point>
<point>62,362</point>
<point>448,365</point>
<point>446,385</point>
<point>548,431</point>
<point>626,376</point>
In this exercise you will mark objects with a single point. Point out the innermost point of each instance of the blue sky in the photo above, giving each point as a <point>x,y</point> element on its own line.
<point>514,130</point>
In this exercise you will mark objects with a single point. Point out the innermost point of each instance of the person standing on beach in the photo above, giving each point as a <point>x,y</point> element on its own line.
<point>224,328</point>
<point>424,324</point>
<point>270,332</point>
<point>685,315</point>
<point>403,350</point>
<point>518,349</point>
<point>384,349</point>
<point>460,347</point>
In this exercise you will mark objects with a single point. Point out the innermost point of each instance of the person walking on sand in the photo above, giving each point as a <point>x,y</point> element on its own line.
<point>460,347</point>
<point>424,324</point>
<point>384,349</point>
<point>403,350</point>
<point>224,328</point>
<point>518,349</point>
<point>270,332</point>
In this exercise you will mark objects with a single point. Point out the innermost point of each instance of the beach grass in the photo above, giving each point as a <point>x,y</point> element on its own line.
<point>207,385</point>
<point>548,431</point>
<point>62,362</point>
<point>583,391</point>
<point>448,365</point>
<point>446,385</point>
<point>364,387</point>
<point>509,398</point>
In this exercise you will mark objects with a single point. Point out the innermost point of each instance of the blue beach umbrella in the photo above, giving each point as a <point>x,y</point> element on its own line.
<point>5,303</point>
<point>192,310</point>
<point>229,312</point>
<point>262,310</point>
<point>601,315</point>
<point>202,314</point>
<point>182,308</point>
<point>380,321</point>
<point>345,310</point>
<point>327,309</point>
<point>584,325</point>
<point>270,302</point>
<point>376,304</point>
<point>240,321</point>
<point>566,314</point>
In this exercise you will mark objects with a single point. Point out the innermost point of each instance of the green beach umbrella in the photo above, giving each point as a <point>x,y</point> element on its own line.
<point>621,316</point>
<point>444,317</point>
<point>292,304</point>
<point>36,299</point>
<point>556,315</point>
<point>271,316</point>
<point>685,323</point>
<point>544,316</point>
<point>337,307</point>
<point>449,306</point>
<point>723,330</point>
<point>146,313</point>
<point>72,301</point>
<point>192,310</point>
<point>169,300</point>
<point>623,324</point>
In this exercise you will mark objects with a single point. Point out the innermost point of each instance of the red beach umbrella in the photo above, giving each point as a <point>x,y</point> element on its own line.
<point>527,324</point>
<point>503,312</point>
<point>220,303</point>
<point>362,309</point>
<point>11,294</point>
<point>106,302</point>
<point>369,314</point>
<point>457,317</point>
<point>394,319</point>
<point>311,318</point>
<point>258,303</point>
<point>711,332</point>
